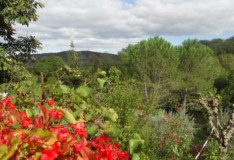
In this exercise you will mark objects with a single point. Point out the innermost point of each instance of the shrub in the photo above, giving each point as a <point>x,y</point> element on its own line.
<point>42,135</point>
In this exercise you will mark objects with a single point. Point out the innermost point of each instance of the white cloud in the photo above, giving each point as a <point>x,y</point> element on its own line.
<point>109,25</point>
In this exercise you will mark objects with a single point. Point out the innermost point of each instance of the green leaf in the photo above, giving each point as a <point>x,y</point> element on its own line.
<point>43,133</point>
<point>92,130</point>
<point>37,155</point>
<point>88,116</point>
<point>101,82</point>
<point>135,142</point>
<point>83,91</point>
<point>101,72</point>
<point>136,156</point>
<point>14,146</point>
<point>20,131</point>
<point>76,99</point>
<point>68,116</point>
<point>17,125</point>
<point>3,150</point>
<point>77,113</point>
<point>109,113</point>
<point>65,89</point>
<point>116,131</point>
<point>36,110</point>
<point>37,91</point>
<point>29,113</point>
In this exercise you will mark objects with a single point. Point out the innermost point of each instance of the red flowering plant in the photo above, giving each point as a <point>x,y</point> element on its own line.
<point>43,136</point>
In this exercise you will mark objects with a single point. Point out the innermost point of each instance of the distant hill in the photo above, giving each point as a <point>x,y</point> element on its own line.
<point>86,55</point>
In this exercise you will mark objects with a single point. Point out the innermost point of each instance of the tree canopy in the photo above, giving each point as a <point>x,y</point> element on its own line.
<point>220,46</point>
<point>21,12</point>
<point>48,65</point>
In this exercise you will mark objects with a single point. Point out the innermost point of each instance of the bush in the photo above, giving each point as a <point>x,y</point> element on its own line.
<point>43,135</point>
<point>171,135</point>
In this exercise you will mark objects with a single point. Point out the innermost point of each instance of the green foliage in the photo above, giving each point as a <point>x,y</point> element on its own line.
<point>83,91</point>
<point>22,12</point>
<point>225,83</point>
<point>10,70</point>
<point>220,46</point>
<point>157,75</point>
<point>45,135</point>
<point>172,134</point>
<point>199,69</point>
<point>212,151</point>
<point>150,57</point>
<point>135,142</point>
<point>154,62</point>
<point>74,59</point>
<point>125,102</point>
<point>48,65</point>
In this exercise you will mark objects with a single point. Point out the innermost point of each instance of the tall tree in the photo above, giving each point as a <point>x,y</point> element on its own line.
<point>22,12</point>
<point>74,58</point>
<point>199,68</point>
<point>153,62</point>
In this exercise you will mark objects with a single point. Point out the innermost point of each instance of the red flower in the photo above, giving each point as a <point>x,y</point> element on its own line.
<point>55,129</point>
<point>47,154</point>
<point>50,102</point>
<point>38,123</point>
<point>53,113</point>
<point>79,128</point>
<point>79,146</point>
<point>122,155</point>
<point>56,114</point>
<point>63,133</point>
<point>50,154</point>
<point>26,122</point>
<point>59,114</point>
<point>23,114</point>
<point>9,121</point>
<point>104,139</point>
<point>21,135</point>
<point>116,146</point>
<point>8,103</point>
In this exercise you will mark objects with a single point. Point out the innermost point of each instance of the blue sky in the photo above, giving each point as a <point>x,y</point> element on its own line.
<point>129,1</point>
<point>110,25</point>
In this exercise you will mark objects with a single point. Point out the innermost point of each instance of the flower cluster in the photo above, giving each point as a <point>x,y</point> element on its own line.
<point>43,136</point>
<point>106,150</point>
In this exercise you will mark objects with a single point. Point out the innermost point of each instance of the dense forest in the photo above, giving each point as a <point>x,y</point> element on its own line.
<point>152,100</point>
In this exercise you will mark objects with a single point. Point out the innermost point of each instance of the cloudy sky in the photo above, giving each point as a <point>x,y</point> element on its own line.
<point>110,25</point>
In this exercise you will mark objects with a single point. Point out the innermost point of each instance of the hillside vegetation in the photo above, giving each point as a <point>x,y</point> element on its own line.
<point>151,101</point>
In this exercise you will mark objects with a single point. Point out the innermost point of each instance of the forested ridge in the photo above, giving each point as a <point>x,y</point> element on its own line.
<point>153,100</point>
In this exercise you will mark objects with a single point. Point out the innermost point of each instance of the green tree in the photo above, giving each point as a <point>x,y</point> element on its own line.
<point>225,83</point>
<point>22,12</point>
<point>153,62</point>
<point>93,63</point>
<point>199,69</point>
<point>220,46</point>
<point>106,62</point>
<point>74,59</point>
<point>11,71</point>
<point>48,65</point>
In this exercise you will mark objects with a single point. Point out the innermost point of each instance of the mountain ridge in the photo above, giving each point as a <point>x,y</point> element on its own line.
<point>86,55</point>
